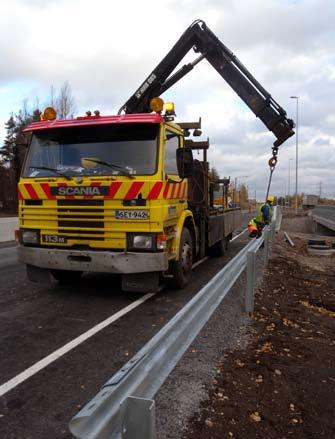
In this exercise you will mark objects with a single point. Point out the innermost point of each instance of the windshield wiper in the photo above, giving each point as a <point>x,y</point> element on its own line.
<point>122,170</point>
<point>46,168</point>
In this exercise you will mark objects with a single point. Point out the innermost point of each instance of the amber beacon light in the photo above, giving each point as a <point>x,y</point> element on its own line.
<point>156,104</point>
<point>49,113</point>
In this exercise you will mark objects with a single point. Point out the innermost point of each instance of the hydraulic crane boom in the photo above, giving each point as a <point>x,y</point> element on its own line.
<point>203,41</point>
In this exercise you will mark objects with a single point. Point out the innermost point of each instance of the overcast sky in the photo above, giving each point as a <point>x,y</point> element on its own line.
<point>106,48</point>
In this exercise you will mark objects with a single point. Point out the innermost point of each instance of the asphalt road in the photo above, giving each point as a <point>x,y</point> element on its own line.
<point>8,257</point>
<point>326,217</point>
<point>35,321</point>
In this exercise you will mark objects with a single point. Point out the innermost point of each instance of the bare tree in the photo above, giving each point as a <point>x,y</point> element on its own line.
<point>37,103</point>
<point>214,176</point>
<point>65,102</point>
<point>25,108</point>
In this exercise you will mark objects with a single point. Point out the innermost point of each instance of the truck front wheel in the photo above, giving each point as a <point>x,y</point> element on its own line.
<point>66,276</point>
<point>181,270</point>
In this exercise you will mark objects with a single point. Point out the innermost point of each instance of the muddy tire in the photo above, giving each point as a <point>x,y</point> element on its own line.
<point>181,270</point>
<point>66,276</point>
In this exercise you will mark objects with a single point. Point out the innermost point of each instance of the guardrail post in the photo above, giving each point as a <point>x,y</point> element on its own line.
<point>249,297</point>
<point>273,225</point>
<point>279,220</point>
<point>266,246</point>
<point>272,229</point>
<point>139,418</point>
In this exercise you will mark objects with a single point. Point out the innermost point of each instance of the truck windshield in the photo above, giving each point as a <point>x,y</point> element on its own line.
<point>124,149</point>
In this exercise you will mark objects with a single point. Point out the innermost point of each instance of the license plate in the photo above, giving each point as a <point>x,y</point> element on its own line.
<point>132,214</point>
<point>54,239</point>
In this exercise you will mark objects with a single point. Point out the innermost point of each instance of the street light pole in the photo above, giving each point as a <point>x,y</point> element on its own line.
<point>296,152</point>
<point>289,182</point>
<point>235,192</point>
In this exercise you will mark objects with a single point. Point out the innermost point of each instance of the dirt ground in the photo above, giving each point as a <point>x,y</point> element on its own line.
<point>283,384</point>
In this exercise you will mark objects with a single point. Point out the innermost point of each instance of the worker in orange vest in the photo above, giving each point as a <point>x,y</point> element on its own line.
<point>262,218</point>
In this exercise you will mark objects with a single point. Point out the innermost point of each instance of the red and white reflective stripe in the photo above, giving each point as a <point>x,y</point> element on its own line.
<point>19,195</point>
<point>31,191</point>
<point>113,189</point>
<point>134,190</point>
<point>180,190</point>
<point>119,189</point>
<point>47,190</point>
<point>173,191</point>
<point>155,191</point>
<point>166,190</point>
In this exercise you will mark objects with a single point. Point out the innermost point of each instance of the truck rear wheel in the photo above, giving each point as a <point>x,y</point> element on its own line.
<point>66,276</point>
<point>181,270</point>
<point>220,248</point>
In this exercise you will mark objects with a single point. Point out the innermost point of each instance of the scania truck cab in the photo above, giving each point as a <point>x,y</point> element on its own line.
<point>112,194</point>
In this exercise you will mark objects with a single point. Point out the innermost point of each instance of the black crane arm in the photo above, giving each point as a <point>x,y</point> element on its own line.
<point>199,37</point>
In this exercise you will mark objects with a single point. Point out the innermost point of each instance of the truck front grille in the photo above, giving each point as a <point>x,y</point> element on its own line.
<point>86,222</point>
<point>79,218</point>
<point>70,203</point>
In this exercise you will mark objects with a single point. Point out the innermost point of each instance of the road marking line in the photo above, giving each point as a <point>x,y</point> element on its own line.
<point>170,276</point>
<point>23,376</point>
<point>237,236</point>
<point>206,257</point>
<point>199,262</point>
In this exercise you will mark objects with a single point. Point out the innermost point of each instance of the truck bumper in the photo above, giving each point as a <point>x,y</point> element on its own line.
<point>93,261</point>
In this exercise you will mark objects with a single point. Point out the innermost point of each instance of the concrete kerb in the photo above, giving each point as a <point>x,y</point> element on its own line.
<point>7,229</point>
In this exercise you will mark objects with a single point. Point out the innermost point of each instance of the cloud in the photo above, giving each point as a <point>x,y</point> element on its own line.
<point>106,49</point>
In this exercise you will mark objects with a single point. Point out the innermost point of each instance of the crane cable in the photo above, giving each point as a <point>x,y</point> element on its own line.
<point>272,164</point>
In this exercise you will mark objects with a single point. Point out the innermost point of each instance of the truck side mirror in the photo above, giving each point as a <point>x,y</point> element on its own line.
<point>184,158</point>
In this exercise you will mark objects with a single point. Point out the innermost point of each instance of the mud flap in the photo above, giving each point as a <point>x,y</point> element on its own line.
<point>38,275</point>
<point>141,282</point>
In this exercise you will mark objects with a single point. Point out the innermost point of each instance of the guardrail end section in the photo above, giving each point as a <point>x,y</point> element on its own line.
<point>97,418</point>
<point>266,245</point>
<point>102,414</point>
<point>139,418</point>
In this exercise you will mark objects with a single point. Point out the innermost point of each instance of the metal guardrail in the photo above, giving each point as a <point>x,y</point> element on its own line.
<point>278,216</point>
<point>124,408</point>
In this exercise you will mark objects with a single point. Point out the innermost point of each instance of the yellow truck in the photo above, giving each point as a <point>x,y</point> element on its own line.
<point>122,194</point>
<point>117,194</point>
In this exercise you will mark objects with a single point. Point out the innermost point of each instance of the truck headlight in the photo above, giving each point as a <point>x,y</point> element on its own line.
<point>30,236</point>
<point>143,241</point>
